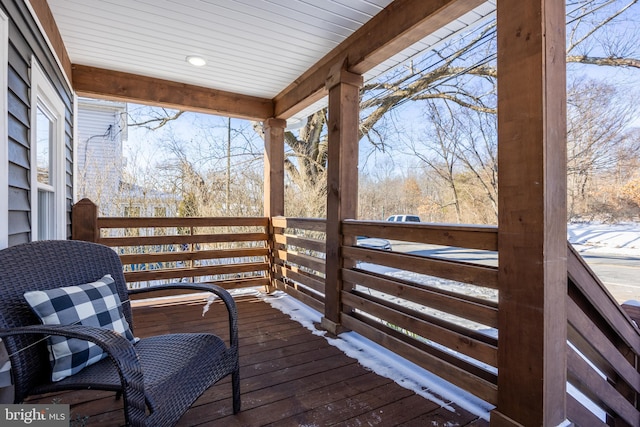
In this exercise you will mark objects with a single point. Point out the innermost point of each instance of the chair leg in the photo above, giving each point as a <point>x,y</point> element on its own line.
<point>235,382</point>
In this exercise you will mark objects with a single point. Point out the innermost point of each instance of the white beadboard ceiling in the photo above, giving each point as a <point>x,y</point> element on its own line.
<point>252,47</point>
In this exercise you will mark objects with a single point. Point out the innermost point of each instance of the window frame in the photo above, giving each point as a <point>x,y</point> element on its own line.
<point>45,97</point>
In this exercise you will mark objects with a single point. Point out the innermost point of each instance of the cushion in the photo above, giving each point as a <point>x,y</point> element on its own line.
<point>92,304</point>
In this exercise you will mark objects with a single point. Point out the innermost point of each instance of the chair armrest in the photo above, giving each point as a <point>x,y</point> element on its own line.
<point>222,293</point>
<point>119,349</point>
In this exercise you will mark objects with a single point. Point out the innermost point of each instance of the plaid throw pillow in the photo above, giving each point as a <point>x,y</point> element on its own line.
<point>92,304</point>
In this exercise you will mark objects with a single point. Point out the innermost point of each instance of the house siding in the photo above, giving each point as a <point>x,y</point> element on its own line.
<point>26,41</point>
<point>100,130</point>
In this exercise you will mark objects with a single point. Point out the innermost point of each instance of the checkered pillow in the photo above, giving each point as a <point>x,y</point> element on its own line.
<point>92,304</point>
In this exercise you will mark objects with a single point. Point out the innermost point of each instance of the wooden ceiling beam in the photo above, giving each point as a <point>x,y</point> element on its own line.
<point>108,84</point>
<point>48,23</point>
<point>398,26</point>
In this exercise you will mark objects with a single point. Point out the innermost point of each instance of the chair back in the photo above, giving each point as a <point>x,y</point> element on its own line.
<point>40,266</point>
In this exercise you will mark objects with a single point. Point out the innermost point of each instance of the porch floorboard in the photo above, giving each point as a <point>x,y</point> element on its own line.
<point>289,377</point>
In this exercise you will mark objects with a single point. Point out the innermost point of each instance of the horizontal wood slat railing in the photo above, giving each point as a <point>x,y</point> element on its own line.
<point>464,306</point>
<point>299,258</point>
<point>603,352</point>
<point>230,252</point>
<point>438,312</point>
<point>446,269</point>
<point>430,305</point>
<point>483,237</point>
<point>176,239</point>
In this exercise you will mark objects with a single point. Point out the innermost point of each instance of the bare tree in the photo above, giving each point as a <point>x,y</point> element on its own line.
<point>438,149</point>
<point>631,191</point>
<point>151,118</point>
<point>478,152</point>
<point>463,73</point>
<point>194,161</point>
<point>460,73</point>
<point>590,39</point>
<point>598,136</point>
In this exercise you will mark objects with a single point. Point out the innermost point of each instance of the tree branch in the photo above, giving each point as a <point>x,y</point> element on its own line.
<point>159,121</point>
<point>609,62</point>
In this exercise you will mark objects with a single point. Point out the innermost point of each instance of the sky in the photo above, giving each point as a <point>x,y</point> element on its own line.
<point>204,137</point>
<point>150,147</point>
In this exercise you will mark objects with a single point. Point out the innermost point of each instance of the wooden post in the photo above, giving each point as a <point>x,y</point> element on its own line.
<point>342,180</point>
<point>274,167</point>
<point>532,234</point>
<point>84,221</point>
<point>273,182</point>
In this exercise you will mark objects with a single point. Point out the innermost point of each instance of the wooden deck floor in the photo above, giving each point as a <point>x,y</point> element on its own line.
<point>289,377</point>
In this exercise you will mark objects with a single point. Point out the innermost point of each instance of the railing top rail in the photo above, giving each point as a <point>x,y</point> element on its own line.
<point>463,236</point>
<point>588,282</point>
<point>583,277</point>
<point>427,225</point>
<point>312,224</point>
<point>302,219</point>
<point>121,222</point>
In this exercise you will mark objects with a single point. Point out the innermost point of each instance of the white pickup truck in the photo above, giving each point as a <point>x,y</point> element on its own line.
<point>404,218</point>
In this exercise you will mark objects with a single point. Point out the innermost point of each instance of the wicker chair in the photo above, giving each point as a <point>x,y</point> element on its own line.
<point>159,377</point>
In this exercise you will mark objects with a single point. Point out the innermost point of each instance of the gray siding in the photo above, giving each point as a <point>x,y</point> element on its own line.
<point>25,40</point>
<point>101,126</point>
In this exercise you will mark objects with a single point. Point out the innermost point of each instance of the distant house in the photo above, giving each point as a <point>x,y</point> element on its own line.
<point>101,128</point>
<point>137,201</point>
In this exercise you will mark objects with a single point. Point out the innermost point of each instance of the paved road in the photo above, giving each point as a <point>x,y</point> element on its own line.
<point>621,274</point>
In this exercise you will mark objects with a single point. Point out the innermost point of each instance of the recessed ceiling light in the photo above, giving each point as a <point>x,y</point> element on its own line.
<point>196,61</point>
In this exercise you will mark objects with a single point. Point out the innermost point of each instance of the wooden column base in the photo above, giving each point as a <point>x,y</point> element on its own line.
<point>499,420</point>
<point>332,327</point>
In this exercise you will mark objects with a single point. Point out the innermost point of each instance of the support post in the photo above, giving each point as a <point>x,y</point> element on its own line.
<point>342,181</point>
<point>532,233</point>
<point>84,221</point>
<point>274,167</point>
<point>273,182</point>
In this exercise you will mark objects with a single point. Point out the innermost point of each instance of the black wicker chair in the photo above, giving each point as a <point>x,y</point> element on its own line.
<point>159,377</point>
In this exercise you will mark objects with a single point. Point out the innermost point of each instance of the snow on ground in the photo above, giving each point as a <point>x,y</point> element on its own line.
<point>382,361</point>
<point>618,239</point>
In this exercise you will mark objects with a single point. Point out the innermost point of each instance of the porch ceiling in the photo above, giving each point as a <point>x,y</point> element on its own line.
<point>254,48</point>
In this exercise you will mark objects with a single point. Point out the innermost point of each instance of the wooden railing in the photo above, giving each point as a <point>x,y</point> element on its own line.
<point>299,258</point>
<point>230,252</point>
<point>395,299</point>
<point>436,304</point>
<point>603,353</point>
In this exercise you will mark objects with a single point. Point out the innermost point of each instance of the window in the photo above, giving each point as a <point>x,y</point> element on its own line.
<point>46,190</point>
<point>47,159</point>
